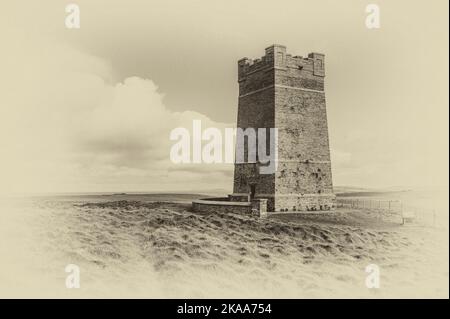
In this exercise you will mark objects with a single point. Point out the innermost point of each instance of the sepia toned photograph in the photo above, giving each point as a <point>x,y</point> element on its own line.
<point>212,149</point>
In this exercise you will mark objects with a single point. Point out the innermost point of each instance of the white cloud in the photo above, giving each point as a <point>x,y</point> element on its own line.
<point>66,127</point>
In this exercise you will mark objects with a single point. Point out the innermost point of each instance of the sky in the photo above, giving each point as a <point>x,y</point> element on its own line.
<point>91,109</point>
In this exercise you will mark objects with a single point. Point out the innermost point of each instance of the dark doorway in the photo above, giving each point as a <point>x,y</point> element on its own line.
<point>252,191</point>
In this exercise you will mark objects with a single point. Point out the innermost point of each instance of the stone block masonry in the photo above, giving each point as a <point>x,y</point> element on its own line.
<point>287,92</point>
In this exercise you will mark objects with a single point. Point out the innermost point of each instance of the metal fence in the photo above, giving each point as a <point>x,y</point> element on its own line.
<point>374,204</point>
<point>391,209</point>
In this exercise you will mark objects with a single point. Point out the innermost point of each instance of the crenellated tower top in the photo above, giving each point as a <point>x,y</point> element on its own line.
<point>276,57</point>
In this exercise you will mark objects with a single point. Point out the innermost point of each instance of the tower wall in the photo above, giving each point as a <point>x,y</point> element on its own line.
<point>287,92</point>
<point>256,109</point>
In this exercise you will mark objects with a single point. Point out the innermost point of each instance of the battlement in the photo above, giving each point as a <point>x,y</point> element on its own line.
<point>276,57</point>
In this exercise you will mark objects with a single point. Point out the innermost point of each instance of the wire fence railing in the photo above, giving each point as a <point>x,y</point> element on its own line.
<point>392,209</point>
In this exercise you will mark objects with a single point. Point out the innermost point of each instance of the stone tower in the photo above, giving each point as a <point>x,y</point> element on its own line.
<point>286,92</point>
